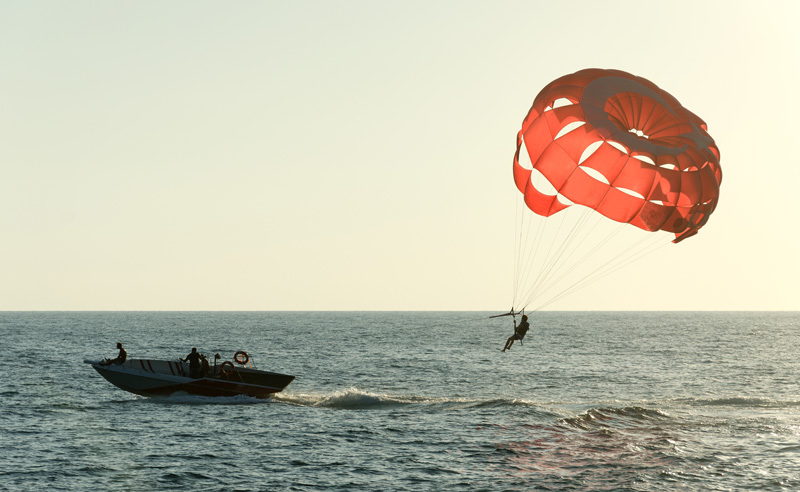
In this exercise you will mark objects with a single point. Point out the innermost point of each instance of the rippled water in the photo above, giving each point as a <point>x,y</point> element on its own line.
<point>411,401</point>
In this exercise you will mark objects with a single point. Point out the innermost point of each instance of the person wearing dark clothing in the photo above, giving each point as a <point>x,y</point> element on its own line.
<point>519,332</point>
<point>205,367</point>
<point>120,357</point>
<point>194,364</point>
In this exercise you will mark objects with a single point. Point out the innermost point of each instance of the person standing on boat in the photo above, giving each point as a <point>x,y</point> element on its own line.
<point>120,357</point>
<point>519,332</point>
<point>194,363</point>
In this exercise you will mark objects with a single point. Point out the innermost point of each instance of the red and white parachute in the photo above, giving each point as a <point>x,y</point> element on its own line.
<point>615,146</point>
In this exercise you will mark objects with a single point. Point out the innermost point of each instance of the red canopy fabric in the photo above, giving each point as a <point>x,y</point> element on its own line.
<point>622,146</point>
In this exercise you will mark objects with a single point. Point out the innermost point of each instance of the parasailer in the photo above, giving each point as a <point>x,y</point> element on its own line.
<point>519,332</point>
<point>607,144</point>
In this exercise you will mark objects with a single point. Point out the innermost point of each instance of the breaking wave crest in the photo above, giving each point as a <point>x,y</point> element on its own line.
<point>613,417</point>
<point>352,398</point>
<point>357,399</point>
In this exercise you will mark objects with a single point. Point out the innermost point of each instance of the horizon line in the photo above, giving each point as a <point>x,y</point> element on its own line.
<point>392,311</point>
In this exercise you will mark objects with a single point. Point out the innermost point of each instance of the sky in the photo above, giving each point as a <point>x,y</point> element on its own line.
<point>356,155</point>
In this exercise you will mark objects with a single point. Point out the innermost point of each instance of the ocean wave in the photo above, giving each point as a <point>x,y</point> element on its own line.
<point>739,401</point>
<point>613,416</point>
<point>357,399</point>
<point>348,399</point>
<point>352,398</point>
<point>182,398</point>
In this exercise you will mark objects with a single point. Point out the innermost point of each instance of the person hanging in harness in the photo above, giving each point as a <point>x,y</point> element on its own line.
<point>519,332</point>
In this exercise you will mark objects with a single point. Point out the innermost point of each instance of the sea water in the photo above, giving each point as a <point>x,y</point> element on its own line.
<point>410,401</point>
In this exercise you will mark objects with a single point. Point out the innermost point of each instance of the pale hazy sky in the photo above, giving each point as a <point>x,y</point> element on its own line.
<point>357,155</point>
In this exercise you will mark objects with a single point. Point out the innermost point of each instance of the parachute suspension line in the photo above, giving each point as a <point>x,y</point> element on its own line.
<point>603,274</point>
<point>586,236</point>
<point>571,247</point>
<point>522,252</point>
<point>540,266</point>
<point>535,256</point>
<point>577,285</point>
<point>515,253</point>
<point>649,249</point>
<point>524,249</point>
<point>532,252</point>
<point>520,228</point>
<point>547,257</point>
<point>566,248</point>
<point>567,245</point>
<point>592,250</point>
<point>619,261</point>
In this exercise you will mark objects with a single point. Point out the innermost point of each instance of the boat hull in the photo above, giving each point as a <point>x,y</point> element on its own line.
<point>159,378</point>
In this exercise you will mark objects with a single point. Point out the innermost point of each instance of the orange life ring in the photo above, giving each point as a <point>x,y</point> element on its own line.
<point>241,357</point>
<point>226,369</point>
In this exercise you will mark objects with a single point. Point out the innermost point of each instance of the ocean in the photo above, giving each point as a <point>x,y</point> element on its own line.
<point>410,401</point>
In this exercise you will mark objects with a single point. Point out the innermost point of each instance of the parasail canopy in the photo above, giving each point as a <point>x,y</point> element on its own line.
<point>620,145</point>
<point>607,145</point>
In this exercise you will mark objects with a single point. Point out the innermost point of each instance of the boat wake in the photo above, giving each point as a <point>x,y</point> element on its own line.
<point>351,398</point>
<point>182,398</point>
<point>357,399</point>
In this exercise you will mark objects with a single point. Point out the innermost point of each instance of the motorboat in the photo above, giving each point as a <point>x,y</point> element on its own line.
<point>151,377</point>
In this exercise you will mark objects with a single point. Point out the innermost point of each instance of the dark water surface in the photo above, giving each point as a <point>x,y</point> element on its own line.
<point>411,401</point>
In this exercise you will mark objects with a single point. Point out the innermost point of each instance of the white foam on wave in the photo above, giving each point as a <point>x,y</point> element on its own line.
<point>351,398</point>
<point>355,399</point>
